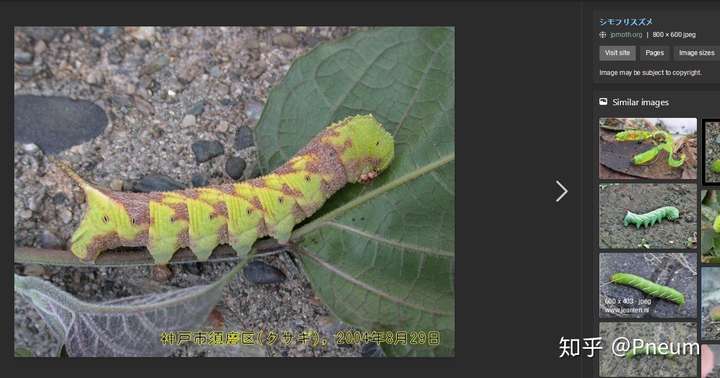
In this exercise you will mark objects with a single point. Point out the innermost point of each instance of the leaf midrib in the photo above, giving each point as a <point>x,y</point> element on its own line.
<point>334,214</point>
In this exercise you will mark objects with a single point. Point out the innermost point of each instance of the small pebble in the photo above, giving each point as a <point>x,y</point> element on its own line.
<point>26,214</point>
<point>222,126</point>
<point>199,180</point>
<point>243,138</point>
<point>120,100</point>
<point>40,47</point>
<point>30,147</point>
<point>197,108</point>
<point>48,240</point>
<point>156,183</point>
<point>161,273</point>
<point>35,201</point>
<point>155,65</point>
<point>215,71</point>
<point>205,150</point>
<point>143,32</point>
<point>259,272</point>
<point>106,31</point>
<point>234,167</point>
<point>95,77</point>
<point>65,215</point>
<point>23,57</point>
<point>188,120</point>
<point>143,105</point>
<point>34,270</point>
<point>116,185</point>
<point>285,40</point>
<point>253,110</point>
<point>60,199</point>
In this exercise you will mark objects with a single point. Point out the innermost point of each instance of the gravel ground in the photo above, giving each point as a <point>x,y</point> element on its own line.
<point>648,366</point>
<point>617,199</point>
<point>676,270</point>
<point>712,150</point>
<point>163,89</point>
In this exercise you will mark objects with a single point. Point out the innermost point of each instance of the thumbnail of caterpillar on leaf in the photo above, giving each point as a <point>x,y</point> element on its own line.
<point>663,141</point>
<point>355,149</point>
<point>649,219</point>
<point>648,287</point>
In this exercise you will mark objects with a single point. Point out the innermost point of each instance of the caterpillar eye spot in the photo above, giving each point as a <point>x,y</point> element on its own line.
<point>377,143</point>
<point>106,219</point>
<point>172,219</point>
<point>249,211</point>
<point>280,199</point>
<point>132,220</point>
<point>211,216</point>
<point>307,178</point>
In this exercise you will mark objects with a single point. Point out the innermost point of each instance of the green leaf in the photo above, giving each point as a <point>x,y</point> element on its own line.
<point>381,256</point>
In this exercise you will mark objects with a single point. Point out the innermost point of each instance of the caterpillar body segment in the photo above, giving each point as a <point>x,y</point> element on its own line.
<point>355,149</point>
<point>652,217</point>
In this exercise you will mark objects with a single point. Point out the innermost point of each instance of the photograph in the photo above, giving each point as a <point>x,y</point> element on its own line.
<point>648,216</point>
<point>710,226</point>
<point>648,148</point>
<point>648,285</point>
<point>710,360</point>
<point>710,303</point>
<point>712,151</point>
<point>269,191</point>
<point>655,350</point>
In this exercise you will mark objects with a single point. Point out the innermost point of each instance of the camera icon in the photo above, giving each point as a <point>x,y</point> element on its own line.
<point>603,101</point>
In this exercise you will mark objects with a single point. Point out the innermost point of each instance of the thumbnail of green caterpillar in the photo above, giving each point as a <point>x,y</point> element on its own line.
<point>649,219</point>
<point>648,351</point>
<point>663,140</point>
<point>648,287</point>
<point>355,149</point>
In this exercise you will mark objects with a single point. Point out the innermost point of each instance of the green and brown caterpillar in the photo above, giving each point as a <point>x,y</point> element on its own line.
<point>355,149</point>
<point>650,218</point>
<point>648,287</point>
<point>663,141</point>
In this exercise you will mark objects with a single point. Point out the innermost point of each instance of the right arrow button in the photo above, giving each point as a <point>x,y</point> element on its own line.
<point>563,193</point>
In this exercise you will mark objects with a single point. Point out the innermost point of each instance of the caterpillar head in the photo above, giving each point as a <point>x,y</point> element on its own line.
<point>105,223</point>
<point>365,147</point>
